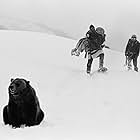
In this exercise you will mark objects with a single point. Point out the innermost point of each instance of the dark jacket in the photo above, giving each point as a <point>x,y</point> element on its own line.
<point>96,40</point>
<point>132,48</point>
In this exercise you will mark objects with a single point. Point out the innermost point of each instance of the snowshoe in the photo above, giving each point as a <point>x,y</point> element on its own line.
<point>103,69</point>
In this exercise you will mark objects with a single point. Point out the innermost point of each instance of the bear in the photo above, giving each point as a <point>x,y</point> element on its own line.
<point>23,107</point>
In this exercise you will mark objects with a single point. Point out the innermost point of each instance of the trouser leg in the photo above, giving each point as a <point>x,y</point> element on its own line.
<point>89,64</point>
<point>135,63</point>
<point>101,60</point>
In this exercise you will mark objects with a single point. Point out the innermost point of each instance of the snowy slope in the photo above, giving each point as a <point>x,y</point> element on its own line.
<point>76,106</point>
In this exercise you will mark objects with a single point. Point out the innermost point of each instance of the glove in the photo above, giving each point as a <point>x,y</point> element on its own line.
<point>126,54</point>
<point>87,35</point>
<point>73,51</point>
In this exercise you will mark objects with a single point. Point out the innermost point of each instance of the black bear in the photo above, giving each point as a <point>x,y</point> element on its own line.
<point>23,107</point>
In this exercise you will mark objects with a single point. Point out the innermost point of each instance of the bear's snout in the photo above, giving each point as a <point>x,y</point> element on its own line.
<point>12,89</point>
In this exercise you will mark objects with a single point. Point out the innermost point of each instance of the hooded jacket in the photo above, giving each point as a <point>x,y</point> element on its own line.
<point>132,48</point>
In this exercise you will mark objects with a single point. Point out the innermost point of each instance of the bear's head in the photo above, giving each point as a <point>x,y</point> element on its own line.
<point>17,87</point>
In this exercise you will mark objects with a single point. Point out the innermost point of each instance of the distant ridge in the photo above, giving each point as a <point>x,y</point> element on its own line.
<point>8,23</point>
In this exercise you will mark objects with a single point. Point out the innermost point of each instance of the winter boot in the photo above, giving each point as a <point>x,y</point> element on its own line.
<point>136,69</point>
<point>88,70</point>
<point>129,68</point>
<point>103,69</point>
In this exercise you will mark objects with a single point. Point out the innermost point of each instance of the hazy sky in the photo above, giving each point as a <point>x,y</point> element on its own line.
<point>120,18</point>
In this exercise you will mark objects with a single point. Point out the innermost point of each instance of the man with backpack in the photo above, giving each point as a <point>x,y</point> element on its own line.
<point>132,52</point>
<point>96,39</point>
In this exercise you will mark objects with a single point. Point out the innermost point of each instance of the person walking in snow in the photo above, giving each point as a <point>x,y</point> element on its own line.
<point>132,52</point>
<point>96,39</point>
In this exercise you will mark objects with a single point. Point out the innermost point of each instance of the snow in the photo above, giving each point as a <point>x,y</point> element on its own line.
<point>119,18</point>
<point>77,106</point>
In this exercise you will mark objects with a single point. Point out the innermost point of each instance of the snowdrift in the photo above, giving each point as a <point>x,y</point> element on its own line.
<point>76,106</point>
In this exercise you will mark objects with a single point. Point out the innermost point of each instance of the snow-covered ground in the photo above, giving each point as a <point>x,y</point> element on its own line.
<point>77,106</point>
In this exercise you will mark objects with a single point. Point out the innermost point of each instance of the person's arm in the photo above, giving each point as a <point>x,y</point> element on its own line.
<point>137,48</point>
<point>127,47</point>
<point>101,40</point>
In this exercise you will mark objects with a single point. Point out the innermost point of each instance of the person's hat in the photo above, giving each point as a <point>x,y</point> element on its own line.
<point>91,26</point>
<point>100,30</point>
<point>133,36</point>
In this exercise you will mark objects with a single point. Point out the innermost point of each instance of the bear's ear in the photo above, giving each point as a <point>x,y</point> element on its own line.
<point>12,79</point>
<point>28,82</point>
